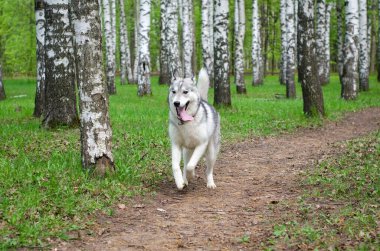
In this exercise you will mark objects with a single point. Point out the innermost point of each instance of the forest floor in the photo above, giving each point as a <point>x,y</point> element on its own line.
<point>252,178</point>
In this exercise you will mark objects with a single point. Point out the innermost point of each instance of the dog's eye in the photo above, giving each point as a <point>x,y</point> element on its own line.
<point>185,92</point>
<point>174,92</point>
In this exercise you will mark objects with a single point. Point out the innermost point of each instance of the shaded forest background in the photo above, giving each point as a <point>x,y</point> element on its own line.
<point>18,39</point>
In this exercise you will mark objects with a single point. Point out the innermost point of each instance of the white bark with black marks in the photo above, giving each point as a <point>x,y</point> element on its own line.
<point>136,38</point>
<point>350,78</point>
<point>187,39</point>
<point>143,73</point>
<point>207,38</point>
<point>239,46</point>
<point>110,61</point>
<point>363,47</point>
<point>291,48</point>
<point>222,95</point>
<point>125,54</point>
<point>174,60</point>
<point>257,76</point>
<point>327,39</point>
<point>284,41</point>
<point>321,39</point>
<point>96,132</point>
<point>340,38</point>
<point>60,98</point>
<point>40,58</point>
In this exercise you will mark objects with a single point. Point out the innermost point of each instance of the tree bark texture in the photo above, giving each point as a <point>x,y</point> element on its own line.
<point>321,47</point>
<point>308,72</point>
<point>110,61</point>
<point>40,51</point>
<point>284,41</point>
<point>2,90</point>
<point>340,38</point>
<point>125,52</point>
<point>96,132</point>
<point>290,52</point>
<point>222,95</point>
<point>172,40</point>
<point>164,77</point>
<point>207,38</point>
<point>363,47</point>
<point>350,78</point>
<point>144,55</point>
<point>60,98</point>
<point>239,46</point>
<point>256,46</point>
<point>136,39</point>
<point>327,39</point>
<point>187,38</point>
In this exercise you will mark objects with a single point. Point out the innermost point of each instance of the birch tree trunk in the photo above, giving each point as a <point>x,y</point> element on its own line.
<point>256,46</point>
<point>144,55</point>
<point>125,54</point>
<point>2,90</point>
<point>327,43</point>
<point>308,73</point>
<point>222,96</point>
<point>372,33</point>
<point>110,73</point>
<point>284,41</point>
<point>96,132</point>
<point>206,36</point>
<point>136,36</point>
<point>351,52</point>
<point>290,53</point>
<point>174,61</point>
<point>239,47</point>
<point>40,51</point>
<point>321,40</point>
<point>113,28</point>
<point>60,99</point>
<point>363,47</point>
<point>187,39</point>
<point>164,77</point>
<point>340,39</point>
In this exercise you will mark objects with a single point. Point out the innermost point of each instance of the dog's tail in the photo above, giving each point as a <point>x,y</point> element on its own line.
<point>203,83</point>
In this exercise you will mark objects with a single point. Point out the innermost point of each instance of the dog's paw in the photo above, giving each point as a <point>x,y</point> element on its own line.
<point>186,182</point>
<point>211,185</point>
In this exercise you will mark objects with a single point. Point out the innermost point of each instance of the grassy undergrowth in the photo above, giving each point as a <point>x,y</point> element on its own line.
<point>44,193</point>
<point>340,209</point>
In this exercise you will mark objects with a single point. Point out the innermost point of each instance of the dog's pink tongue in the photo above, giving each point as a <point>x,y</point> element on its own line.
<point>184,116</point>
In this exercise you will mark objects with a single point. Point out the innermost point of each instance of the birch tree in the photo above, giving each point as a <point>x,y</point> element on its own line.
<point>239,46</point>
<point>2,90</point>
<point>110,62</point>
<point>340,39</point>
<point>174,61</point>
<point>351,52</point>
<point>327,42</point>
<point>207,37</point>
<point>222,94</point>
<point>125,55</point>
<point>363,47</point>
<point>308,72</point>
<point>256,46</point>
<point>40,51</point>
<point>290,52</point>
<point>187,38</point>
<point>143,73</point>
<point>96,133</point>
<point>164,77</point>
<point>136,39</point>
<point>60,99</point>
<point>284,41</point>
<point>321,40</point>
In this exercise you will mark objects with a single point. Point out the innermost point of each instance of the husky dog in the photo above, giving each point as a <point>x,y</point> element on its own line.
<point>194,128</point>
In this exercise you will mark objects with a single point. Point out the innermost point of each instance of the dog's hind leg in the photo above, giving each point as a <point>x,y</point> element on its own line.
<point>176,161</point>
<point>187,175</point>
<point>210,162</point>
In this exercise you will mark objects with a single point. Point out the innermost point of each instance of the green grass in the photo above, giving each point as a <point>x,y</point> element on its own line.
<point>340,208</point>
<point>44,193</point>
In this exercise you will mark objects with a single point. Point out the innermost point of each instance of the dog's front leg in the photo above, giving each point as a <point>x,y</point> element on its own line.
<point>176,160</point>
<point>196,156</point>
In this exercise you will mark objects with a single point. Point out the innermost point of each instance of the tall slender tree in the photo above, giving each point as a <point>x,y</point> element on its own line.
<point>340,38</point>
<point>222,95</point>
<point>174,60</point>
<point>307,67</point>
<point>256,46</point>
<point>96,132</point>
<point>363,47</point>
<point>143,73</point>
<point>350,78</point>
<point>136,40</point>
<point>187,38</point>
<point>239,46</point>
<point>164,77</point>
<point>2,90</point>
<point>290,52</point>
<point>327,42</point>
<point>60,99</point>
<point>125,52</point>
<point>207,38</point>
<point>284,42</point>
<point>40,42</point>
<point>110,62</point>
<point>321,30</point>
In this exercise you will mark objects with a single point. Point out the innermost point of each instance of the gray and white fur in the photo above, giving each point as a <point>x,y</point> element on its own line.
<point>194,128</point>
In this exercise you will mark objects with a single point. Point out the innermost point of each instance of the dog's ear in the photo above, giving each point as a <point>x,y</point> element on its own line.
<point>175,74</point>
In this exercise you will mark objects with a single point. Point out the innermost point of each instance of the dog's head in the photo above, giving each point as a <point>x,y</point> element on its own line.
<point>183,98</point>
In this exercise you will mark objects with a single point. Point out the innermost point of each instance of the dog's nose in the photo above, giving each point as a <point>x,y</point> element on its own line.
<point>176,103</point>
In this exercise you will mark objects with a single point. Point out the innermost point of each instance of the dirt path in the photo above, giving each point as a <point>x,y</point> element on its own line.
<point>251,178</point>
